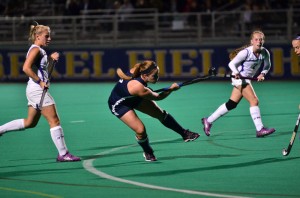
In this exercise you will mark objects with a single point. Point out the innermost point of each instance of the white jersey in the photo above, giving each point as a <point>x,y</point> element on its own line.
<point>33,89</point>
<point>247,63</point>
<point>40,66</point>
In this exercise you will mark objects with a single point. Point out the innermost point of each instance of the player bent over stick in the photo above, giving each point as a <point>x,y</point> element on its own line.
<point>286,151</point>
<point>296,44</point>
<point>131,93</point>
<point>245,62</point>
<point>36,68</point>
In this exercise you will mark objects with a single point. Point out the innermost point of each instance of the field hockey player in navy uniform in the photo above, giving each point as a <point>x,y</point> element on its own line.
<point>131,93</point>
<point>296,44</point>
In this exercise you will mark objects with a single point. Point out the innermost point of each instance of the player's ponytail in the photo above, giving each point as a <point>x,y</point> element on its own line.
<point>236,51</point>
<point>144,67</point>
<point>122,75</point>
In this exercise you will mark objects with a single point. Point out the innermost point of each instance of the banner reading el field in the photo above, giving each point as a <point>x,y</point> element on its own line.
<point>176,63</point>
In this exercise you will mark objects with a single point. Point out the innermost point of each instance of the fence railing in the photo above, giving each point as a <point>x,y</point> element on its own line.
<point>150,28</point>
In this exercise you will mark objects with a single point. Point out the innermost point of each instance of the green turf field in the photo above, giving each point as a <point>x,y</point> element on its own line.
<point>232,162</point>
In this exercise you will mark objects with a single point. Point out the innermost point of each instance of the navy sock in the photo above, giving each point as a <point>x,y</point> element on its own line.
<point>144,143</point>
<point>171,123</point>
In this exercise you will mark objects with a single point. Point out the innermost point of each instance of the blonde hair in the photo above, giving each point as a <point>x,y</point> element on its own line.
<point>37,30</point>
<point>257,32</point>
<point>236,51</point>
<point>144,67</point>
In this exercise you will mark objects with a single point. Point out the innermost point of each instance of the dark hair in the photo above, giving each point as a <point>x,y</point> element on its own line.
<point>297,37</point>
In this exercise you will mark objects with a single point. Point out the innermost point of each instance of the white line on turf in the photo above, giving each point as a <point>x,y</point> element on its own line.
<point>88,165</point>
<point>77,121</point>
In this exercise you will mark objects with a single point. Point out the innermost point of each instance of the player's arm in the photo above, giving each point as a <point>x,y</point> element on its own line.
<point>267,62</point>
<point>135,88</point>
<point>27,66</point>
<point>267,66</point>
<point>236,61</point>
<point>55,56</point>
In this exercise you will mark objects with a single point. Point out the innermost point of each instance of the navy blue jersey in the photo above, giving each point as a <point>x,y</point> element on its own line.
<point>120,100</point>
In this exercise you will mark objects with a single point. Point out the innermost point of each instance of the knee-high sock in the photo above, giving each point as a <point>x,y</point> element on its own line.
<point>222,110</point>
<point>256,117</point>
<point>144,143</point>
<point>171,123</point>
<point>14,125</point>
<point>57,136</point>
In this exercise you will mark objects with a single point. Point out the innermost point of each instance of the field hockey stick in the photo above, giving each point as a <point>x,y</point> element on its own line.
<point>233,76</point>
<point>287,151</point>
<point>51,65</point>
<point>212,73</point>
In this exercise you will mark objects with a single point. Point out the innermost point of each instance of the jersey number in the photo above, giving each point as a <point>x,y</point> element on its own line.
<point>254,66</point>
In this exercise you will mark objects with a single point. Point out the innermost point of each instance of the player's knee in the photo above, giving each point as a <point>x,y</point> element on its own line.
<point>164,115</point>
<point>141,136</point>
<point>254,102</point>
<point>30,126</point>
<point>161,116</point>
<point>29,123</point>
<point>139,129</point>
<point>230,104</point>
<point>140,133</point>
<point>54,122</point>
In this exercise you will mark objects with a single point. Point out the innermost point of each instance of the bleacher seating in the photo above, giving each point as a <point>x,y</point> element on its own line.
<point>150,26</point>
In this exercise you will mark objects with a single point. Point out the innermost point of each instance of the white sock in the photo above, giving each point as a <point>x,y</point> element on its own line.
<point>14,125</point>
<point>255,114</point>
<point>222,110</point>
<point>57,135</point>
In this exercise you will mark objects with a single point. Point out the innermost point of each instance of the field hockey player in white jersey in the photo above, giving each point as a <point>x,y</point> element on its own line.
<point>245,62</point>
<point>36,68</point>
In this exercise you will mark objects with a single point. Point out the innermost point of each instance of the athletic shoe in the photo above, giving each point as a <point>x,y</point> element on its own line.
<point>68,157</point>
<point>206,127</point>
<point>264,132</point>
<point>189,136</point>
<point>149,157</point>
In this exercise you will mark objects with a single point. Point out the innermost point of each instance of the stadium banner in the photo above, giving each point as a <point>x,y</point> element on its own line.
<point>175,63</point>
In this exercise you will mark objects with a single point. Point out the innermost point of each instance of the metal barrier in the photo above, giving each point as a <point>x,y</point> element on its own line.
<point>150,28</point>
